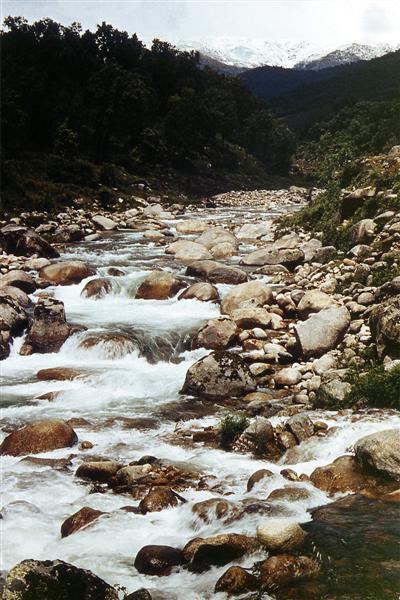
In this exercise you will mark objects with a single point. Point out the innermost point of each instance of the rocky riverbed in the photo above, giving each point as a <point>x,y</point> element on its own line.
<point>174,416</point>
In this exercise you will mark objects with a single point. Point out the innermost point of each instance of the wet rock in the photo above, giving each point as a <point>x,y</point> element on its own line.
<point>288,376</point>
<point>41,436</point>
<point>141,594</point>
<point>289,494</point>
<point>110,344</point>
<point>289,258</point>
<point>246,295</point>
<point>49,329</point>
<point>214,508</point>
<point>22,241</point>
<point>99,471</point>
<point>257,477</point>
<point>385,327</point>
<point>282,570</point>
<point>280,535</point>
<point>68,272</point>
<point>314,301</point>
<point>203,291</point>
<point>223,250</point>
<point>18,279</point>
<point>97,288</point>
<point>216,272</point>
<point>247,318</point>
<point>218,550</point>
<point>104,223</point>
<point>55,580</point>
<point>380,453</point>
<point>236,580</point>
<point>218,375</point>
<point>158,560</point>
<point>58,374</point>
<point>301,426</point>
<point>286,440</point>
<point>186,250</point>
<point>79,520</point>
<point>159,498</point>
<point>191,226</point>
<point>132,474</point>
<point>321,332</point>
<point>216,235</point>
<point>159,285</point>
<point>215,334</point>
<point>343,475</point>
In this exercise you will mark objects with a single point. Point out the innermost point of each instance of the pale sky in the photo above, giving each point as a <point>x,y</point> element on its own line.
<point>319,21</point>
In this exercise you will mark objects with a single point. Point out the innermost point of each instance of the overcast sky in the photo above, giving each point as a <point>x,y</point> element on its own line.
<point>319,21</point>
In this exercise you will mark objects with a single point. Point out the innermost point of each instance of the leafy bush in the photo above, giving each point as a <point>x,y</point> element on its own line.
<point>231,427</point>
<point>384,274</point>
<point>376,387</point>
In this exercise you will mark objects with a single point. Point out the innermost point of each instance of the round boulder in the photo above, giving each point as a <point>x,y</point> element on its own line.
<point>158,560</point>
<point>41,436</point>
<point>236,580</point>
<point>215,334</point>
<point>66,273</point>
<point>246,295</point>
<point>203,291</point>
<point>159,285</point>
<point>380,453</point>
<point>280,535</point>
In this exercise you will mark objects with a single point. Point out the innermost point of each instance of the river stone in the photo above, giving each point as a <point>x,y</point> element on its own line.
<point>216,272</point>
<point>214,508</point>
<point>158,560</point>
<point>385,327</point>
<point>321,332</point>
<point>99,471</point>
<point>380,453</point>
<point>289,240</point>
<point>284,569</point>
<point>203,291</point>
<point>49,329</point>
<point>216,334</point>
<point>257,477</point>
<point>310,249</point>
<point>253,231</point>
<point>191,226</point>
<point>104,223</point>
<point>54,580</point>
<point>22,241</point>
<point>314,301</point>
<point>219,375</point>
<point>18,279</point>
<point>186,250</point>
<point>58,374</point>
<point>287,376</point>
<point>131,474</point>
<point>324,254</point>
<point>110,344</point>
<point>41,436</point>
<point>68,272</point>
<point>343,475</point>
<point>217,550</point>
<point>289,494</point>
<point>80,519</point>
<point>140,594</point>
<point>158,498</point>
<point>362,232</point>
<point>301,426</point>
<point>287,257</point>
<point>280,534</point>
<point>97,288</point>
<point>251,317</point>
<point>223,250</point>
<point>159,285</point>
<point>252,294</point>
<point>216,235</point>
<point>236,580</point>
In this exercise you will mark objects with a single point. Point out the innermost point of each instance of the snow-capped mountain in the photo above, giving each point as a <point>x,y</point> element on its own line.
<point>249,53</point>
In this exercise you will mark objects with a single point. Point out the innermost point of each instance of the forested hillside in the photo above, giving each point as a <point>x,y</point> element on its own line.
<point>85,109</point>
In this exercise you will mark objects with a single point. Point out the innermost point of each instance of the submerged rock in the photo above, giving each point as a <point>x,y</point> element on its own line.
<point>280,571</point>
<point>158,498</point>
<point>219,375</point>
<point>41,436</point>
<point>97,288</point>
<point>80,519</point>
<point>203,553</point>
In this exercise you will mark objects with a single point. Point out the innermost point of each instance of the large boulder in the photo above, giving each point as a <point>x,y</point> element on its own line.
<point>219,375</point>
<point>54,580</point>
<point>203,291</point>
<point>41,436</point>
<point>380,453</point>
<point>13,316</point>
<point>253,231</point>
<point>246,295</point>
<point>104,223</point>
<point>158,560</point>
<point>284,569</point>
<point>362,232</point>
<point>288,257</point>
<point>19,279</point>
<point>314,301</point>
<point>203,553</point>
<point>22,241</point>
<point>321,332</point>
<point>343,475</point>
<point>186,250</point>
<point>215,334</point>
<point>236,580</point>
<point>68,272</point>
<point>191,226</point>
<point>280,534</point>
<point>385,326</point>
<point>159,285</point>
<point>79,520</point>
<point>159,498</point>
<point>251,317</point>
<point>48,329</point>
<point>216,235</point>
<point>216,272</point>
<point>97,288</point>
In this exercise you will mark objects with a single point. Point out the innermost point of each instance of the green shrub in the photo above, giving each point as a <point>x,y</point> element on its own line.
<point>376,387</point>
<point>231,427</point>
<point>381,276</point>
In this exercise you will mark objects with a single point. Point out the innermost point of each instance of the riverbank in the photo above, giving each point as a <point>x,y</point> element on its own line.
<point>189,365</point>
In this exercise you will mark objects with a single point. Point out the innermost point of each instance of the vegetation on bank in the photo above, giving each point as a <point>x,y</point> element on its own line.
<point>81,108</point>
<point>374,387</point>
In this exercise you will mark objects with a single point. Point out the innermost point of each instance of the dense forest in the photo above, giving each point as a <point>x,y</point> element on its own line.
<point>79,106</point>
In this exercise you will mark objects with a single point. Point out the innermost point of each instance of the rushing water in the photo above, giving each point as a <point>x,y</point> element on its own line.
<point>37,498</point>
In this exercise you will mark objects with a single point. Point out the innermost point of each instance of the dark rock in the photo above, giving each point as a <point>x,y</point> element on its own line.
<point>22,241</point>
<point>80,519</point>
<point>282,570</point>
<point>158,560</point>
<point>236,580</point>
<point>97,288</point>
<point>203,553</point>
<point>19,279</point>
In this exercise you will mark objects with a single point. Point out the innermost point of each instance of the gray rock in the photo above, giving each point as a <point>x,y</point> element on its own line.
<point>215,334</point>
<point>314,301</point>
<point>380,452</point>
<point>246,295</point>
<point>289,258</point>
<point>104,223</point>
<point>216,272</point>
<point>321,332</point>
<point>385,327</point>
